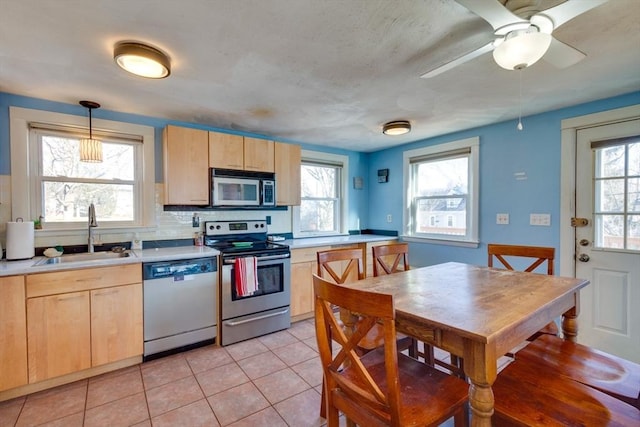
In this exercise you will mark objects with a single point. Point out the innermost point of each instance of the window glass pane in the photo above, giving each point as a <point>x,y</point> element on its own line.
<point>609,195</point>
<point>433,217</point>
<point>443,177</point>
<point>318,215</point>
<point>633,235</point>
<point>634,158</point>
<point>609,231</point>
<point>60,157</point>
<point>610,161</point>
<point>319,181</point>
<point>69,201</point>
<point>633,197</point>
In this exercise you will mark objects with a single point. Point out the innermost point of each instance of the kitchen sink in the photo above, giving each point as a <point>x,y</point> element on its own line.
<point>94,256</point>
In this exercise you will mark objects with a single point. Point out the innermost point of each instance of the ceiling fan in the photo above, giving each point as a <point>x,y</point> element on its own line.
<point>523,36</point>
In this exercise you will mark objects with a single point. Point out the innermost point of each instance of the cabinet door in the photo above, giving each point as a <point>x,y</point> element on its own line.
<point>116,323</point>
<point>186,166</point>
<point>226,151</point>
<point>258,155</point>
<point>287,167</point>
<point>13,333</point>
<point>302,288</point>
<point>58,335</point>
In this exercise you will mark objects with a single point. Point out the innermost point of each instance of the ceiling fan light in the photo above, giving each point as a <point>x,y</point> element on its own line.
<point>399,127</point>
<point>521,49</point>
<point>142,60</point>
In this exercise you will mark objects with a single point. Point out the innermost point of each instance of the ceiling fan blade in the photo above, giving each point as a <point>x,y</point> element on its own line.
<point>567,11</point>
<point>461,60</point>
<point>493,12</point>
<point>562,55</point>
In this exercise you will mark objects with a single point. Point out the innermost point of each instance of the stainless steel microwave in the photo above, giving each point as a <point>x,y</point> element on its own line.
<point>242,188</point>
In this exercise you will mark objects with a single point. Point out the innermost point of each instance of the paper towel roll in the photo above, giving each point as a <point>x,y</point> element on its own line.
<point>20,240</point>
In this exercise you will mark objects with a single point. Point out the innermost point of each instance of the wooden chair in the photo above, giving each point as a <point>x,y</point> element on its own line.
<point>603,371</point>
<point>538,254</point>
<point>390,259</point>
<point>526,395</point>
<point>383,386</point>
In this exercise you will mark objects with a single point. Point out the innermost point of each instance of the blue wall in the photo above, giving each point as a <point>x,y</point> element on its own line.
<point>503,151</point>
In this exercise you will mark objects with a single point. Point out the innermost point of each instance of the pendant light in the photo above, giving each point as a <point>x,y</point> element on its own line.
<point>90,149</point>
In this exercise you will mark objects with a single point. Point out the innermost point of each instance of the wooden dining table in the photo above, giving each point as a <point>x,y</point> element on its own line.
<point>479,314</point>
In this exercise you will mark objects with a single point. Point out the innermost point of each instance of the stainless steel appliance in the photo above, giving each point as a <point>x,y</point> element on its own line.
<point>242,188</point>
<point>180,304</point>
<point>267,309</point>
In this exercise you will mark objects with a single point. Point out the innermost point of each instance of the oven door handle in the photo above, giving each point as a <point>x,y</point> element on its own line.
<point>253,319</point>
<point>262,258</point>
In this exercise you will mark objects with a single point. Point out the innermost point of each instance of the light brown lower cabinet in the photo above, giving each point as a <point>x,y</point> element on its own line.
<point>59,335</point>
<point>13,333</point>
<point>302,288</point>
<point>116,324</point>
<point>80,319</point>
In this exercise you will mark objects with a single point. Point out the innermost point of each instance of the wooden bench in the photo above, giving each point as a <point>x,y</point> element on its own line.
<point>526,395</point>
<point>610,374</point>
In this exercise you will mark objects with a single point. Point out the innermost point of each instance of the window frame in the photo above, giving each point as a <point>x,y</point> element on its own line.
<point>25,196</point>
<point>442,151</point>
<point>320,158</point>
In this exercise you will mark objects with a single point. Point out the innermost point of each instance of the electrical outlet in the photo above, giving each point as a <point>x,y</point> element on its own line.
<point>195,221</point>
<point>389,218</point>
<point>502,218</point>
<point>268,219</point>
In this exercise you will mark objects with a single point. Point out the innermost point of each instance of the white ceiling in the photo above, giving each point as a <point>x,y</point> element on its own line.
<point>327,72</point>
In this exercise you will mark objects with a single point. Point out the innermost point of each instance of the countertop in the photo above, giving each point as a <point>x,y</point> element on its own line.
<point>10,268</point>
<point>335,240</point>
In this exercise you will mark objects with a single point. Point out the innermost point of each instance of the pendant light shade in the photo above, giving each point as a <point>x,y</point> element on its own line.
<point>90,149</point>
<point>521,48</point>
<point>142,60</point>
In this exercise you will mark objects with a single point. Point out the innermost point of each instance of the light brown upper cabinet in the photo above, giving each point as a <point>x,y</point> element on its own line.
<point>240,152</point>
<point>258,155</point>
<point>287,166</point>
<point>186,166</point>
<point>226,151</point>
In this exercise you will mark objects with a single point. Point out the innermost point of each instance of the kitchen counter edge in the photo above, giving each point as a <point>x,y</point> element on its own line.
<point>13,268</point>
<point>310,242</point>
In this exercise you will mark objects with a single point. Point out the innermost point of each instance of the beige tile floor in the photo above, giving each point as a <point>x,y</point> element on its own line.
<point>270,381</point>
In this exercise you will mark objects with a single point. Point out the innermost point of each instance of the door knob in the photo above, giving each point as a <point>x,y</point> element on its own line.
<point>583,258</point>
<point>584,242</point>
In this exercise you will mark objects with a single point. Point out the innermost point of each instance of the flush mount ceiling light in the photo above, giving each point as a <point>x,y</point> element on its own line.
<point>142,60</point>
<point>398,127</point>
<point>521,48</point>
<point>90,149</point>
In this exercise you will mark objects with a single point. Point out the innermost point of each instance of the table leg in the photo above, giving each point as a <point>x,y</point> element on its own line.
<point>480,366</point>
<point>570,325</point>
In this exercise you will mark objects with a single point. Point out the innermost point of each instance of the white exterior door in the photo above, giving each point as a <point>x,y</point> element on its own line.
<point>608,248</point>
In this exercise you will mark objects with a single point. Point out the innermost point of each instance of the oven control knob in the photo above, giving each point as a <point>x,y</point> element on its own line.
<point>218,227</point>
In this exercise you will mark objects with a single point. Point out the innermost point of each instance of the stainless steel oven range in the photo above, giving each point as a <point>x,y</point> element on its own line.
<point>259,309</point>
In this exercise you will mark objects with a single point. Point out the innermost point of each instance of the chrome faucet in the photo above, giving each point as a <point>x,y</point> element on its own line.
<point>92,224</point>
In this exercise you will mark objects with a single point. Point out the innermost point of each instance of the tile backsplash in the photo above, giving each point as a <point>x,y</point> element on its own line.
<point>169,224</point>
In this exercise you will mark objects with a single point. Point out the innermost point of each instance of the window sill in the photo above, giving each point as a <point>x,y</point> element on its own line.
<point>459,243</point>
<point>79,231</point>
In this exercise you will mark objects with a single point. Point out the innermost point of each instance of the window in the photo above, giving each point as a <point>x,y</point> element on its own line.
<point>48,178</point>
<point>617,193</point>
<point>322,206</point>
<point>441,199</point>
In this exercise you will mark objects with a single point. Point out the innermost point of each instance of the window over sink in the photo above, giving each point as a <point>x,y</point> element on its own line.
<point>48,178</point>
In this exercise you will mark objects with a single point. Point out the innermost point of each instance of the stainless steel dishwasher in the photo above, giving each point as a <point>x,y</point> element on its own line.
<point>180,300</point>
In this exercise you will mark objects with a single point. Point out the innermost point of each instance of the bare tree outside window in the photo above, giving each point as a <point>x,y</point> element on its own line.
<point>320,204</point>
<point>68,186</point>
<point>617,196</point>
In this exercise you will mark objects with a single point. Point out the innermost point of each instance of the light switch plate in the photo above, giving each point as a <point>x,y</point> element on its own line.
<point>540,219</point>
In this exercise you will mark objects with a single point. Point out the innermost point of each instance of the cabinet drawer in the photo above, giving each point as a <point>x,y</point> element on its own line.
<point>80,280</point>
<point>306,254</point>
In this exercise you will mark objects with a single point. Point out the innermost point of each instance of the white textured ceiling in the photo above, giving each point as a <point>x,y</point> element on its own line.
<point>327,72</point>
